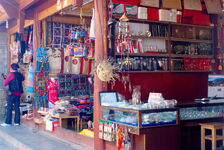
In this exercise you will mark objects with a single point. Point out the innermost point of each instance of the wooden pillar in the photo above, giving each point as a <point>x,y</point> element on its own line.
<point>98,84</point>
<point>36,38</point>
<point>21,21</point>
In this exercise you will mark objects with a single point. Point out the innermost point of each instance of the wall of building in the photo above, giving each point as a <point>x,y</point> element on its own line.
<point>3,69</point>
<point>4,55</point>
<point>184,87</point>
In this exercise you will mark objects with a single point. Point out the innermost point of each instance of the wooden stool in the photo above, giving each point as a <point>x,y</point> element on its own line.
<point>213,137</point>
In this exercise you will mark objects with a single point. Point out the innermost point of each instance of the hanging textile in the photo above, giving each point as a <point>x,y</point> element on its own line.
<point>76,64</point>
<point>41,90</point>
<point>74,85</point>
<point>80,85</point>
<point>92,26</point>
<point>86,66</point>
<point>42,64</point>
<point>30,80</point>
<point>52,91</point>
<point>57,35</point>
<point>65,85</point>
<point>67,64</point>
<point>54,59</point>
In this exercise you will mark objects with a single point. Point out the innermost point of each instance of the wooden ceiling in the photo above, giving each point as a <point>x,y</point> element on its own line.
<point>9,9</point>
<point>86,9</point>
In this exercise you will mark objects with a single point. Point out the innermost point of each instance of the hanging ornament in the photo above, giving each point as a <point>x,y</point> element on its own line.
<point>105,70</point>
<point>124,18</point>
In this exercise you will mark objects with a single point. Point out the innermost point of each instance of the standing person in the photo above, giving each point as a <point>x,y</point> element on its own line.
<point>14,80</point>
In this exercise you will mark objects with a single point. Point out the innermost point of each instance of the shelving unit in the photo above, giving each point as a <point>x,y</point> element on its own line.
<point>143,54</point>
<point>190,38</point>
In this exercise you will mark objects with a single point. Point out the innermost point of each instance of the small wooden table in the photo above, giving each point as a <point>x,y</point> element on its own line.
<point>61,117</point>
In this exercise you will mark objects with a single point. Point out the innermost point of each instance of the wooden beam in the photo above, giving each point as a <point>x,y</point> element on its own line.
<point>49,11</point>
<point>68,20</point>
<point>29,14</point>
<point>44,26</point>
<point>28,23</point>
<point>13,3</point>
<point>26,3</point>
<point>12,23</point>
<point>21,22</point>
<point>3,18</point>
<point>13,30</point>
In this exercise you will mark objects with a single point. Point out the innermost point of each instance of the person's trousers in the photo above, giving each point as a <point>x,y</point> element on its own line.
<point>13,100</point>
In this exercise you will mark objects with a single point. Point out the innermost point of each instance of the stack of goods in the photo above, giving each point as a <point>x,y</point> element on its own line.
<point>61,106</point>
<point>197,15</point>
<point>193,12</point>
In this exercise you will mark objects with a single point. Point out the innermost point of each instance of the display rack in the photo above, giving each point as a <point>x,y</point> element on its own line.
<point>185,34</point>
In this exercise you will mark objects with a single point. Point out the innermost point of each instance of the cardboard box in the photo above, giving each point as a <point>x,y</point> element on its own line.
<point>175,4</point>
<point>201,19</point>
<point>151,3</point>
<point>192,4</point>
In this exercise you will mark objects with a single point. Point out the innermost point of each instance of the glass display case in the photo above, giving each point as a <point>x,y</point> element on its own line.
<point>140,120</point>
<point>205,110</point>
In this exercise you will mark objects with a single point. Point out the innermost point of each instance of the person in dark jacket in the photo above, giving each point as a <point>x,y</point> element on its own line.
<point>14,80</point>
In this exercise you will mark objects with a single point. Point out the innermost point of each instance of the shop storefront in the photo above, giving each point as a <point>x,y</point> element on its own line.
<point>120,74</point>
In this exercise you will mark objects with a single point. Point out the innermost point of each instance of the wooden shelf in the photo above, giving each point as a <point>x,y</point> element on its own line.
<point>165,22</point>
<point>191,56</point>
<point>146,37</point>
<point>143,54</point>
<point>189,71</point>
<point>158,71</point>
<point>190,40</point>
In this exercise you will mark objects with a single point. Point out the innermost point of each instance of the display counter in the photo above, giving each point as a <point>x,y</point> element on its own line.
<point>176,128</point>
<point>139,120</point>
<point>146,126</point>
<point>201,111</point>
<point>194,113</point>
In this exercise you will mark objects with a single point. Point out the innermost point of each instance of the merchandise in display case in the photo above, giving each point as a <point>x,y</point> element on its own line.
<point>202,110</point>
<point>140,119</point>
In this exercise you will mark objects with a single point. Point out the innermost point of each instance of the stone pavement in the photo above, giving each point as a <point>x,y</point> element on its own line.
<point>5,146</point>
<point>24,138</point>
